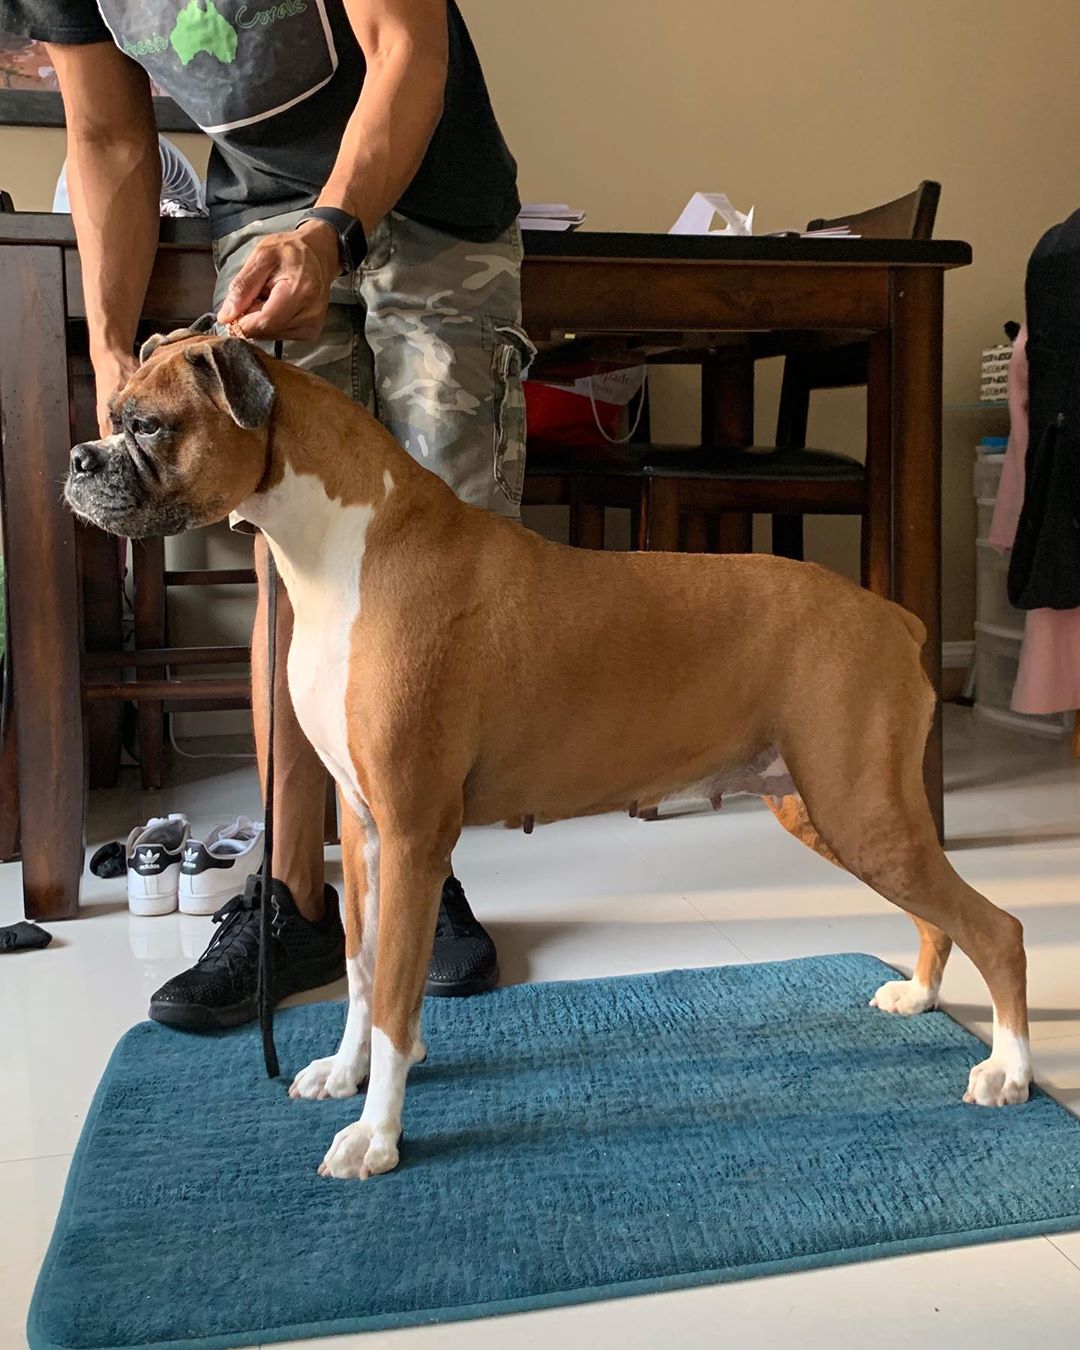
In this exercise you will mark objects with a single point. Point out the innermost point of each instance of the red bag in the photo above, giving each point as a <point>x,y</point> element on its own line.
<point>586,405</point>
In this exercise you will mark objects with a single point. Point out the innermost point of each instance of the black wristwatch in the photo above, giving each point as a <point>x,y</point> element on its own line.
<point>352,241</point>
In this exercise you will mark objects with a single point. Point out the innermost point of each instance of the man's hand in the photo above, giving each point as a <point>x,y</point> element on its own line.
<point>283,290</point>
<point>111,372</point>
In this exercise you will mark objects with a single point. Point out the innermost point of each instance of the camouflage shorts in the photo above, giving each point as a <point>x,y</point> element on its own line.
<point>427,334</point>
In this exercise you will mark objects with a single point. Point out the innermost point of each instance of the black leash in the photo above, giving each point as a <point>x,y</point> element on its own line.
<point>268,905</point>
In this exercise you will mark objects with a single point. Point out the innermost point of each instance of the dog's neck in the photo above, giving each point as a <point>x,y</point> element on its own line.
<point>316,498</point>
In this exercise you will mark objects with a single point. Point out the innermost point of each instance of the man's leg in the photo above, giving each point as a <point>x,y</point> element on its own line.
<point>443,322</point>
<point>299,775</point>
<point>219,990</point>
<point>444,327</point>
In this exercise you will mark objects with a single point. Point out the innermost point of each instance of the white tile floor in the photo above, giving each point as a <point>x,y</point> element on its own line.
<point>601,897</point>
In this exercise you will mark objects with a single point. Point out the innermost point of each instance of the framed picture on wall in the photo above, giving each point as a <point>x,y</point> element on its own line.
<point>30,97</point>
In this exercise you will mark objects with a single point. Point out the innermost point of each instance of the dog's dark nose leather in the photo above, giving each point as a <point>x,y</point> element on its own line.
<point>86,459</point>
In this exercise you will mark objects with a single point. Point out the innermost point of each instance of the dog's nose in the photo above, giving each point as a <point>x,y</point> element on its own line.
<point>86,459</point>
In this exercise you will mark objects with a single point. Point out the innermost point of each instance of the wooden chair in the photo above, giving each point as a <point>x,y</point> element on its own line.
<point>703,499</point>
<point>838,366</point>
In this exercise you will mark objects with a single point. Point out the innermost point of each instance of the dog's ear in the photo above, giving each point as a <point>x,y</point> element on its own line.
<point>234,376</point>
<point>204,324</point>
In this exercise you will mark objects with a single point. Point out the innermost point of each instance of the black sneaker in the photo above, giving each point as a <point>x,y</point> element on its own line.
<point>220,989</point>
<point>463,959</point>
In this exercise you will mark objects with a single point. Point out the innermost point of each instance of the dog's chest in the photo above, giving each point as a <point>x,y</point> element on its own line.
<point>324,583</point>
<point>319,678</point>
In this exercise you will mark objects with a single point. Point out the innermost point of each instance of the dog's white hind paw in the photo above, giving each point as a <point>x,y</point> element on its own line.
<point>324,1078</point>
<point>358,1151</point>
<point>905,997</point>
<point>993,1083</point>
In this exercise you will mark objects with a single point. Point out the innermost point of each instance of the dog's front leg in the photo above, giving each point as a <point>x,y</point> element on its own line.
<point>413,866</point>
<point>341,1074</point>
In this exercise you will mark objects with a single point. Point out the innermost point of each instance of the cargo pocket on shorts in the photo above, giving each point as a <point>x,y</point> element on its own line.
<point>512,354</point>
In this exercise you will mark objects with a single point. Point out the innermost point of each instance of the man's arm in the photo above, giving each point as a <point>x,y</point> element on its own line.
<point>283,289</point>
<point>114,182</point>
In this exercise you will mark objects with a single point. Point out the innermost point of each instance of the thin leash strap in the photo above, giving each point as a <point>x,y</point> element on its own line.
<point>267,907</point>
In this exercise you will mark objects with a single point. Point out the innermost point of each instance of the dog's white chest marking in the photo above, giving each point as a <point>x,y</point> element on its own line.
<point>319,547</point>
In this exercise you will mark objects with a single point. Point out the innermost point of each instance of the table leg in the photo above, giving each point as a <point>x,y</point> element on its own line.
<point>727,422</point>
<point>43,583</point>
<point>102,594</point>
<point>877,522</point>
<point>915,382</point>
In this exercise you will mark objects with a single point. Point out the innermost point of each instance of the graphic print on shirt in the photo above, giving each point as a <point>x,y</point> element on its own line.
<point>228,63</point>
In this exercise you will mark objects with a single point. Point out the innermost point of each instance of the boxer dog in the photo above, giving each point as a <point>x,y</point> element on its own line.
<point>452,668</point>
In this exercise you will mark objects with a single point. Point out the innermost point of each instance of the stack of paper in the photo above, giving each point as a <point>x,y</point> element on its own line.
<point>704,209</point>
<point>549,216</point>
<point>832,232</point>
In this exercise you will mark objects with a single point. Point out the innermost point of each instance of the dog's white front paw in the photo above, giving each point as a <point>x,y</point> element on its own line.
<point>905,997</point>
<point>358,1151</point>
<point>325,1078</point>
<point>994,1083</point>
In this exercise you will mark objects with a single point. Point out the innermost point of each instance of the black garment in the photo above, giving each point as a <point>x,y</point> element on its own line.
<point>274,84</point>
<point>23,937</point>
<point>1044,572</point>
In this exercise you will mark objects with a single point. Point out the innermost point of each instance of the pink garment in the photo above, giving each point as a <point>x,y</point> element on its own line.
<point>1048,680</point>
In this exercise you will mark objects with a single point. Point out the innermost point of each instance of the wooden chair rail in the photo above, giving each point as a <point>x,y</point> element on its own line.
<point>167,656</point>
<point>162,691</point>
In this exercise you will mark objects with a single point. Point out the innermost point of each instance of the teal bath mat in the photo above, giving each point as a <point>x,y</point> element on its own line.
<point>563,1142</point>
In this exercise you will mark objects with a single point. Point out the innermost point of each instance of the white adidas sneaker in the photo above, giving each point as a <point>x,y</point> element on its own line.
<point>216,868</point>
<point>153,853</point>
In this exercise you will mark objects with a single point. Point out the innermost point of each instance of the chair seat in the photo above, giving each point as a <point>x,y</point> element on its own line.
<point>775,463</point>
<point>543,459</point>
<point>759,461</point>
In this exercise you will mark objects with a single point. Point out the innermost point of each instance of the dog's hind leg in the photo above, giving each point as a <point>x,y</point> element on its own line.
<point>341,1074</point>
<point>864,792</point>
<point>414,862</point>
<point>896,996</point>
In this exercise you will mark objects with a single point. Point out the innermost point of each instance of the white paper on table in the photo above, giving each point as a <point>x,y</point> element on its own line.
<point>550,209</point>
<point>546,223</point>
<point>701,210</point>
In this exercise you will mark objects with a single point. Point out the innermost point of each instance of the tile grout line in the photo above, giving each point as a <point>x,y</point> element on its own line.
<point>656,871</point>
<point>1060,1252</point>
<point>40,1157</point>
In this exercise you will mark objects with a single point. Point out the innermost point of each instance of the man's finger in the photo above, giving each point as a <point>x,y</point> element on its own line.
<point>278,312</point>
<point>247,285</point>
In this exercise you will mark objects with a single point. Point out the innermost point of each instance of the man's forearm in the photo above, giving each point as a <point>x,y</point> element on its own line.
<point>388,133</point>
<point>114,184</point>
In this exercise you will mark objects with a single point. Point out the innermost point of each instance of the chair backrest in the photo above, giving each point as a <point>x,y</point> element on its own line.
<point>844,366</point>
<point>910,217</point>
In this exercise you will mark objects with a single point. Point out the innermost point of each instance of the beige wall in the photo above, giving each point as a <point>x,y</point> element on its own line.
<point>802,107</point>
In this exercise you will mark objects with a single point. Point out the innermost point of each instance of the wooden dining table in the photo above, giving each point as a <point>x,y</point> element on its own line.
<point>673,291</point>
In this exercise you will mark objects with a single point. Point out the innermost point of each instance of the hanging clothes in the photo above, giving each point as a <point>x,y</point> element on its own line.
<point>1048,680</point>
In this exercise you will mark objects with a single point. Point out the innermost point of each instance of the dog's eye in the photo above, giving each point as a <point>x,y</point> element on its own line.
<point>145,426</point>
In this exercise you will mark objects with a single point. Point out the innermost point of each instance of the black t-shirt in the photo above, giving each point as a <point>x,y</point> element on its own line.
<point>273,82</point>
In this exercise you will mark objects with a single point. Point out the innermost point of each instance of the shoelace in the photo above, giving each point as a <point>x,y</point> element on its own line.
<point>455,917</point>
<point>236,940</point>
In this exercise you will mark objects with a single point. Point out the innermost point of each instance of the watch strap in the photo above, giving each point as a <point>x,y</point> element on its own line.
<point>352,239</point>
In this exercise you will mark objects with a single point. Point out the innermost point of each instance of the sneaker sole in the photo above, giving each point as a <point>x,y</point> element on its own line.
<point>482,984</point>
<point>203,1017</point>
<point>205,905</point>
<point>151,906</point>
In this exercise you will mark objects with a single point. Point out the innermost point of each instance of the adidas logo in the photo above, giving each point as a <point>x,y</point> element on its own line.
<point>147,860</point>
<point>191,857</point>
